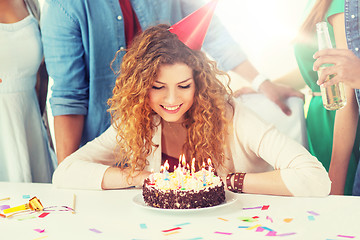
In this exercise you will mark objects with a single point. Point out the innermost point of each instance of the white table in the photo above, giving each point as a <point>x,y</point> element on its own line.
<point>114,215</point>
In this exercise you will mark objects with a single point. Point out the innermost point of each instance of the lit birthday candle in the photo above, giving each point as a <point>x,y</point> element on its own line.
<point>166,168</point>
<point>204,174</point>
<point>193,166</point>
<point>210,168</point>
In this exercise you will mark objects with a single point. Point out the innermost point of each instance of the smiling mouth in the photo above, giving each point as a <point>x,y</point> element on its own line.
<point>173,108</point>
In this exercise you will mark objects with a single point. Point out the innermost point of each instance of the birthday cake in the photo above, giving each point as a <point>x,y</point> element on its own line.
<point>183,190</point>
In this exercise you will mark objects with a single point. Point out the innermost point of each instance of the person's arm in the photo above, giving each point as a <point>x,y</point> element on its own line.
<point>345,124</point>
<point>64,57</point>
<point>68,131</point>
<point>296,172</point>
<point>275,92</point>
<point>93,167</point>
<point>345,127</point>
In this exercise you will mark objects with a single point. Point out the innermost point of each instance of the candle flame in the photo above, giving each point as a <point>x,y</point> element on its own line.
<point>166,165</point>
<point>183,162</point>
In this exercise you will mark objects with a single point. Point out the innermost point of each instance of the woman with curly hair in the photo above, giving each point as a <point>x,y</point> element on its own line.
<point>168,101</point>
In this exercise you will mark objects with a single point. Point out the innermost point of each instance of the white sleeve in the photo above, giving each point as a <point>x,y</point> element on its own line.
<point>301,172</point>
<point>85,168</point>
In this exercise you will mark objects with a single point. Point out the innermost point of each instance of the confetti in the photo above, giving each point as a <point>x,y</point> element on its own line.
<point>253,227</point>
<point>311,218</point>
<point>26,196</point>
<point>269,218</point>
<point>259,229</point>
<point>43,215</point>
<point>143,226</point>
<point>170,233</point>
<point>271,233</point>
<point>223,219</point>
<point>344,236</point>
<point>259,207</point>
<point>243,226</point>
<point>287,220</point>
<point>198,238</point>
<point>40,238</point>
<point>247,219</point>
<point>285,234</point>
<point>94,230</point>
<point>265,207</point>
<point>313,213</point>
<point>269,229</point>
<point>2,207</point>
<point>182,224</point>
<point>5,199</point>
<point>39,230</point>
<point>172,229</point>
<point>224,233</point>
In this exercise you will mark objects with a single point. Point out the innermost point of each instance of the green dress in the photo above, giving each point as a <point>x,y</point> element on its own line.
<point>319,121</point>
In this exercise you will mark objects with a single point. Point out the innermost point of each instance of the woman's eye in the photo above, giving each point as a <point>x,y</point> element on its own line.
<point>184,87</point>
<point>157,88</point>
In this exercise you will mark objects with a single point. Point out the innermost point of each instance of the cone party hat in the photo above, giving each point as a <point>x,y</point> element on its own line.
<point>192,29</point>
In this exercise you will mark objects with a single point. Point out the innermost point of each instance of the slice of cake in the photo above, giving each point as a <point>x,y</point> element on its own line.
<point>183,190</point>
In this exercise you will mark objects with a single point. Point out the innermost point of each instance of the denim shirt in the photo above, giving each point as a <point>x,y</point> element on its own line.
<point>81,38</point>
<point>352,29</point>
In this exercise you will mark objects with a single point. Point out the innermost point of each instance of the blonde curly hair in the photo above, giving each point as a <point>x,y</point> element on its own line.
<point>133,118</point>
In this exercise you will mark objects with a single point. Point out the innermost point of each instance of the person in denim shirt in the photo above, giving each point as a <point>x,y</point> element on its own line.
<point>346,67</point>
<point>80,40</point>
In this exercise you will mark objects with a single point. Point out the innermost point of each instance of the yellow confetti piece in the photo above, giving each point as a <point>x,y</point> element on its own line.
<point>170,233</point>
<point>287,220</point>
<point>223,219</point>
<point>253,227</point>
<point>40,238</point>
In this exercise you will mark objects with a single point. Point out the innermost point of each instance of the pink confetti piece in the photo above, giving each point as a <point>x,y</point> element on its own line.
<point>43,215</point>
<point>271,233</point>
<point>269,218</point>
<point>224,233</point>
<point>3,207</point>
<point>265,207</point>
<point>259,229</point>
<point>95,230</point>
<point>172,229</point>
<point>313,213</point>
<point>344,236</point>
<point>39,230</point>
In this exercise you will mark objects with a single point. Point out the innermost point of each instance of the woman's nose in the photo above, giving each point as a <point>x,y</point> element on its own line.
<point>171,96</point>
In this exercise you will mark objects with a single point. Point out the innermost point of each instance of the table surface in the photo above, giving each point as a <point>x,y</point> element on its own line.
<point>113,214</point>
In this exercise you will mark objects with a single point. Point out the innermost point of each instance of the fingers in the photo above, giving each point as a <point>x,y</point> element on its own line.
<point>331,52</point>
<point>283,107</point>
<point>323,76</point>
<point>242,91</point>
